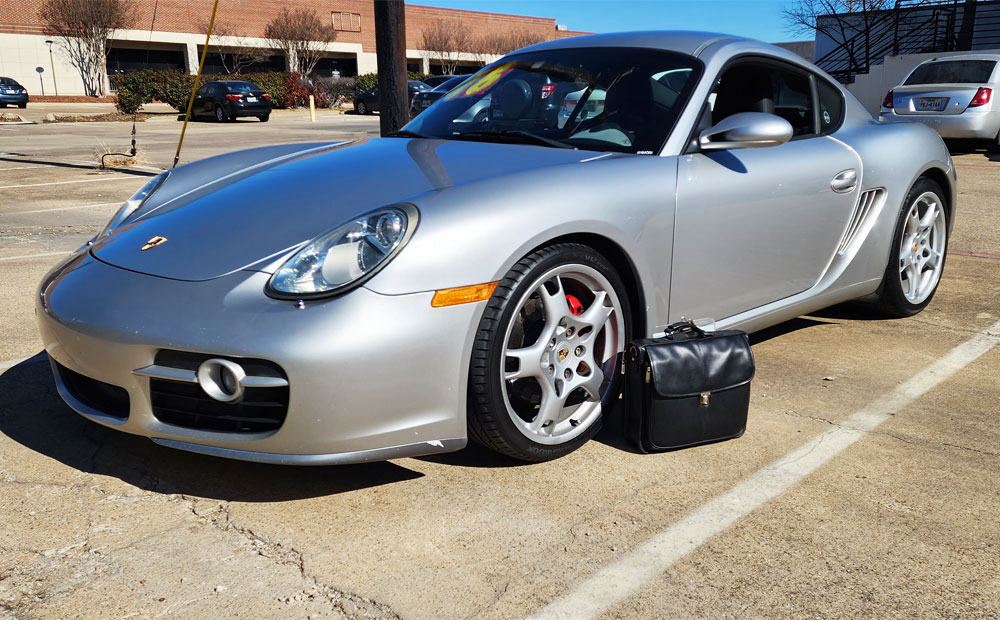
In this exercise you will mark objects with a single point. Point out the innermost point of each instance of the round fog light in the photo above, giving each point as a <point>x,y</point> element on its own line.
<point>220,379</point>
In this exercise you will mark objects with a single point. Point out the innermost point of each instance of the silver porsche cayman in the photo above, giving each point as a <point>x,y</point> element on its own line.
<point>479,276</point>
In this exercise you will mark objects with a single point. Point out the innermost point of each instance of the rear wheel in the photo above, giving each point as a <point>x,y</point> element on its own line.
<point>220,114</point>
<point>920,243</point>
<point>361,108</point>
<point>22,105</point>
<point>264,117</point>
<point>543,368</point>
<point>994,144</point>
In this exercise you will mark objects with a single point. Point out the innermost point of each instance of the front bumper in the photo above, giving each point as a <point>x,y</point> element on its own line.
<point>370,376</point>
<point>970,124</point>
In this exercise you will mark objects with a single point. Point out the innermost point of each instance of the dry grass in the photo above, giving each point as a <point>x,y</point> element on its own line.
<point>117,156</point>
<point>95,118</point>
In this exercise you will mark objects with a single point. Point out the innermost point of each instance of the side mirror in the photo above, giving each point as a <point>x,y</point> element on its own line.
<point>746,130</point>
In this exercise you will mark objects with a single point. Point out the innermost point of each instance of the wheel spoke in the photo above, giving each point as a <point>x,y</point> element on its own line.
<point>912,222</point>
<point>554,303</point>
<point>592,386</point>
<point>550,408</point>
<point>907,250</point>
<point>928,219</point>
<point>597,314</point>
<point>911,279</point>
<point>528,359</point>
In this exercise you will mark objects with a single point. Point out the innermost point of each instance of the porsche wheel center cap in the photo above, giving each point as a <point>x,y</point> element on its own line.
<point>562,354</point>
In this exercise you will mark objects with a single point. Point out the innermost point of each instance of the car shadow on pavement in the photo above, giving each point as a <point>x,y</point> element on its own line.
<point>88,167</point>
<point>33,415</point>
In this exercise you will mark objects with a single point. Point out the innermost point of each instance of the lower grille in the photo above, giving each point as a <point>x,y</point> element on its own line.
<point>184,404</point>
<point>102,397</point>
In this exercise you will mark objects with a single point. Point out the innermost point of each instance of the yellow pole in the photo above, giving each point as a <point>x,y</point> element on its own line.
<point>201,64</point>
<point>312,109</point>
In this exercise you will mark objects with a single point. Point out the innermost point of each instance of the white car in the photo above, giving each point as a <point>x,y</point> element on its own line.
<point>954,95</point>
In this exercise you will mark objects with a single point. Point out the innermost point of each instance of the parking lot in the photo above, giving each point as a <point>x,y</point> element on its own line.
<point>864,487</point>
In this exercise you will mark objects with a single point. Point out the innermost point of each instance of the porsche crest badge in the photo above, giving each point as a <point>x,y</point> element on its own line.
<point>152,243</point>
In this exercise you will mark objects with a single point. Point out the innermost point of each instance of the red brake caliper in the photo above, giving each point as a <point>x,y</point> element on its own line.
<point>574,305</point>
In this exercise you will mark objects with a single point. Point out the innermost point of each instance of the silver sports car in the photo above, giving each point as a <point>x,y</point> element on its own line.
<point>336,303</point>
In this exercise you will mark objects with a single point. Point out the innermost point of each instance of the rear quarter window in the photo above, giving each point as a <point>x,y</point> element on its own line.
<point>952,72</point>
<point>831,106</point>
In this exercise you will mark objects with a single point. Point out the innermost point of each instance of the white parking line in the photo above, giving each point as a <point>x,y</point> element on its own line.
<point>40,255</point>
<point>125,178</point>
<point>616,582</point>
<point>19,168</point>
<point>100,204</point>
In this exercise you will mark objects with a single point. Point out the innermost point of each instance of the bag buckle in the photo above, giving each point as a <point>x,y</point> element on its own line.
<point>703,398</point>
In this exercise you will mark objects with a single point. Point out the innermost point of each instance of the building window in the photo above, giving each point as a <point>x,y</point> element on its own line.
<point>347,22</point>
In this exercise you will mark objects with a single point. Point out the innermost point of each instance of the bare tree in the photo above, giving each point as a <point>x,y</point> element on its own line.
<point>489,46</point>
<point>853,25</point>
<point>236,52</point>
<point>446,40</point>
<point>302,36</point>
<point>82,29</point>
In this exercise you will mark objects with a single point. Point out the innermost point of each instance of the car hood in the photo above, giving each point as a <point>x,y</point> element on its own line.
<point>215,223</point>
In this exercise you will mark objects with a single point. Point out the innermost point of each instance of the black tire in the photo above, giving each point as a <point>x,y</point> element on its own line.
<point>993,147</point>
<point>264,117</point>
<point>361,108</point>
<point>3,105</point>
<point>891,300</point>
<point>22,105</point>
<point>220,114</point>
<point>489,421</point>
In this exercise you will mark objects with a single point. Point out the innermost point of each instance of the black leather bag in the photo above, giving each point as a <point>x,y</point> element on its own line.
<point>687,388</point>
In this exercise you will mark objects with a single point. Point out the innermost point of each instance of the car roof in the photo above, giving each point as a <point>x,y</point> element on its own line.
<point>995,57</point>
<point>684,41</point>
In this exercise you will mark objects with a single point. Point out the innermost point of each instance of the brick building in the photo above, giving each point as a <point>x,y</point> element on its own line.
<point>169,34</point>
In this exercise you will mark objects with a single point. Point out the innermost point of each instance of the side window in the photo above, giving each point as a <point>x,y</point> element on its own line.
<point>831,105</point>
<point>793,101</point>
<point>751,87</point>
<point>203,90</point>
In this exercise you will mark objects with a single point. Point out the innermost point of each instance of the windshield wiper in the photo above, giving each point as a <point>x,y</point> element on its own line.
<point>519,136</point>
<point>406,133</point>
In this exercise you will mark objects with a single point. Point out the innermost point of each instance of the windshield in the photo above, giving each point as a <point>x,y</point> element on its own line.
<point>953,72</point>
<point>599,99</point>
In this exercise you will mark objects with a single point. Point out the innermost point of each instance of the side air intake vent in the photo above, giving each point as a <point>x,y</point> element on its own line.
<point>866,206</point>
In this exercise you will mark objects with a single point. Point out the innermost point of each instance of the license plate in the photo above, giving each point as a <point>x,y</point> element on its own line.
<point>251,99</point>
<point>935,104</point>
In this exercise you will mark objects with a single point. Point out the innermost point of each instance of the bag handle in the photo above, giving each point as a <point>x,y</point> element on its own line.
<point>684,327</point>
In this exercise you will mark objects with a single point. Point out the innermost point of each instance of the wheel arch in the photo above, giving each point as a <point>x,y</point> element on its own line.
<point>941,177</point>
<point>621,262</point>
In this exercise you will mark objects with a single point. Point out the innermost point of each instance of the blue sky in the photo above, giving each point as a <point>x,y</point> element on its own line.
<point>760,19</point>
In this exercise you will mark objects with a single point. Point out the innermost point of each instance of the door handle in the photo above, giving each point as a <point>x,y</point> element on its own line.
<point>844,181</point>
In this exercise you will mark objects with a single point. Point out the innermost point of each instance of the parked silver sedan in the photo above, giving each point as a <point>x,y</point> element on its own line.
<point>954,95</point>
<point>344,302</point>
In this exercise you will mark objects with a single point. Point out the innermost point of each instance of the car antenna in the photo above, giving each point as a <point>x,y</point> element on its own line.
<point>194,86</point>
<point>135,113</point>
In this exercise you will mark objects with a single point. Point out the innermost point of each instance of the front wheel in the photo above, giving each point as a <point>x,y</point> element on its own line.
<point>544,364</point>
<point>916,261</point>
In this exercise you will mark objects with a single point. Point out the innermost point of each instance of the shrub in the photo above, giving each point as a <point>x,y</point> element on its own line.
<point>366,82</point>
<point>136,88</point>
<point>335,90</point>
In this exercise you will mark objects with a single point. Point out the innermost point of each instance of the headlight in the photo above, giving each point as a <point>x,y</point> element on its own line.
<point>345,256</point>
<point>132,204</point>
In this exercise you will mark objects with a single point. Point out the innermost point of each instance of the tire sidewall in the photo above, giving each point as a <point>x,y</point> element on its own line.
<point>520,283</point>
<point>220,114</point>
<point>892,298</point>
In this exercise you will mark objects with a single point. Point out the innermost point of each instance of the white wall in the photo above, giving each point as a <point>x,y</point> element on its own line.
<point>871,88</point>
<point>21,53</point>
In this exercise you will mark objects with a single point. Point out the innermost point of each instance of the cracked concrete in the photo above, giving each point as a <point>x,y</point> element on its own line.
<point>97,524</point>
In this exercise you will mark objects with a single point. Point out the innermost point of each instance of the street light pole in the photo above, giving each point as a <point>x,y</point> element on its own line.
<point>52,64</point>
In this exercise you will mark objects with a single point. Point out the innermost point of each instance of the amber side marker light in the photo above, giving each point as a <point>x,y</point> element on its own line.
<point>463,294</point>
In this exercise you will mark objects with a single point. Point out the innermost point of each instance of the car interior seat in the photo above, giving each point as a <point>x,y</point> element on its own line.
<point>743,89</point>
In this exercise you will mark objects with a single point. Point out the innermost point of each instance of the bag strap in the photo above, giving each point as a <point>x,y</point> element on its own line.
<point>684,327</point>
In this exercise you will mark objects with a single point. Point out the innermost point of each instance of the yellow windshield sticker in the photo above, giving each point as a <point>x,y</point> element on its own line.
<point>482,84</point>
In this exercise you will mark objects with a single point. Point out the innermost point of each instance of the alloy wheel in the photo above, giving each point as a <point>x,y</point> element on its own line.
<point>922,248</point>
<point>560,353</point>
